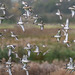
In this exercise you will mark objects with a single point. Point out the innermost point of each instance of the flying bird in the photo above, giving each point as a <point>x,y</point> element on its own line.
<point>70,66</point>
<point>14,36</point>
<point>36,50</point>
<point>59,14</point>
<point>72,10</point>
<point>21,24</point>
<point>35,19</point>
<point>66,40</point>
<point>66,26</point>
<point>41,24</point>
<point>58,35</point>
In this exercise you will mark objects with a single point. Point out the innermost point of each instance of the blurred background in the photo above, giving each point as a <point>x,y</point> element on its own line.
<point>45,8</point>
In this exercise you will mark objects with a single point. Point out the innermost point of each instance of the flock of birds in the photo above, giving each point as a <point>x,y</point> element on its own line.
<point>11,48</point>
<point>65,28</point>
<point>29,14</point>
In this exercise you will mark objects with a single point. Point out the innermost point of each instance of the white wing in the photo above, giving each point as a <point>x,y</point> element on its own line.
<point>10,73</point>
<point>16,37</point>
<point>4,12</point>
<point>66,38</point>
<point>37,48</point>
<point>29,52</point>
<point>39,24</point>
<point>22,27</point>
<point>57,39</point>
<point>60,17</point>
<point>67,23</point>
<point>20,20</point>
<point>73,12</point>
<point>58,12</point>
<point>9,52</point>
<point>61,0</point>
<point>71,59</point>
<point>28,44</point>
<point>28,13</point>
<point>64,32</point>
<point>17,55</point>
<point>27,73</point>
<point>23,2</point>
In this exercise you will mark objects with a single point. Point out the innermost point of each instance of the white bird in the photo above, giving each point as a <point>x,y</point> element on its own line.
<point>28,10</point>
<point>70,66</point>
<point>13,35</point>
<point>25,60</point>
<point>28,45</point>
<point>37,50</point>
<point>66,40</point>
<point>28,48</point>
<point>72,10</point>
<point>2,7</point>
<point>58,35</point>
<point>41,24</point>
<point>66,27</point>
<point>9,52</point>
<point>11,46</point>
<point>8,65</point>
<point>35,19</point>
<point>59,14</point>
<point>21,24</point>
<point>10,49</point>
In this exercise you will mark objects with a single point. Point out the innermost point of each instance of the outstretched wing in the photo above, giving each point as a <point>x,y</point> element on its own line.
<point>73,12</point>
<point>22,27</point>
<point>67,23</point>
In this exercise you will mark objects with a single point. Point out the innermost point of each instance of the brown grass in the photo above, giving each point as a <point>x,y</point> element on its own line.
<point>35,36</point>
<point>37,69</point>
